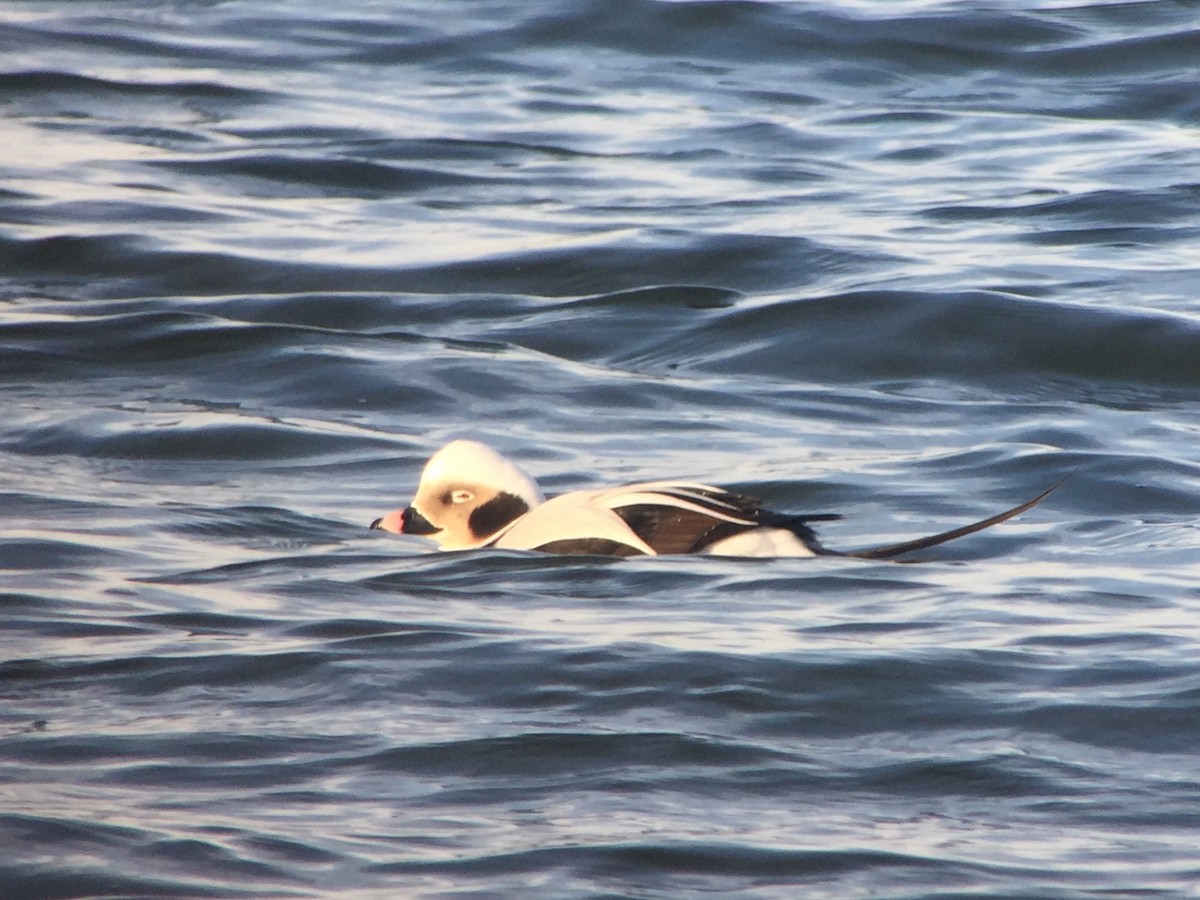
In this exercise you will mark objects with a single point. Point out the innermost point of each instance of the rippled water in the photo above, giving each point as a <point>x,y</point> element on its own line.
<point>913,262</point>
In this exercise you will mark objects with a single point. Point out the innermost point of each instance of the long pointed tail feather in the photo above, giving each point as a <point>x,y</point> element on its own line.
<point>889,550</point>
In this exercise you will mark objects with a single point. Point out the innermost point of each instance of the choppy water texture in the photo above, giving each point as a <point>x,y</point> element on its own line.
<point>912,262</point>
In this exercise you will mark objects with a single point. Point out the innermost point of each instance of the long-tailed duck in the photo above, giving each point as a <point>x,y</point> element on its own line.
<point>472,497</point>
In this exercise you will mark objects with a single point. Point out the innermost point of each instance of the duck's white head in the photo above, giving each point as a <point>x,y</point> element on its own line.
<point>468,492</point>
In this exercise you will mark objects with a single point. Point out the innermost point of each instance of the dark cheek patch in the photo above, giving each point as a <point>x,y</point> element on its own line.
<point>490,517</point>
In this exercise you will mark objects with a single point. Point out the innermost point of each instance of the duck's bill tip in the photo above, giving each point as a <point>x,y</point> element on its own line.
<point>393,522</point>
<point>405,521</point>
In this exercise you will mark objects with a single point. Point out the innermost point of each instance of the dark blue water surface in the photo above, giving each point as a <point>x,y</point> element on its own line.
<point>912,262</point>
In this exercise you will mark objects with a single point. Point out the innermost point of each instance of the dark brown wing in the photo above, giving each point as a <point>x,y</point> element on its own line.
<point>669,529</point>
<point>710,516</point>
<point>589,547</point>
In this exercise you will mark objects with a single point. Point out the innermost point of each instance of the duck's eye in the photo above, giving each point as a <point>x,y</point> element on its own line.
<point>461,496</point>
